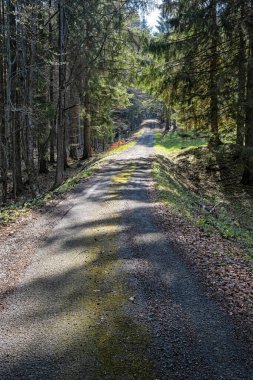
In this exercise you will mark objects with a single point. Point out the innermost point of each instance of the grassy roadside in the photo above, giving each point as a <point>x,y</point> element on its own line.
<point>175,142</point>
<point>184,184</point>
<point>11,213</point>
<point>120,148</point>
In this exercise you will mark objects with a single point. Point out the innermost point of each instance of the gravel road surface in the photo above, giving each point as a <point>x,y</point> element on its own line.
<point>105,296</point>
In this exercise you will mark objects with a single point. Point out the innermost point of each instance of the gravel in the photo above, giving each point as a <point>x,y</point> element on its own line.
<point>107,297</point>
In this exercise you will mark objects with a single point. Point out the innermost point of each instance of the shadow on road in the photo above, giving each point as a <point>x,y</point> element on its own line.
<point>110,298</point>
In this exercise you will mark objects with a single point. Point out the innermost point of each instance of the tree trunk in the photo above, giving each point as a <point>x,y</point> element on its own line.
<point>17,158</point>
<point>43,156</point>
<point>248,171</point>
<point>30,128</point>
<point>65,131</point>
<point>52,122</point>
<point>86,128</point>
<point>214,118</point>
<point>240,119</point>
<point>51,94</point>
<point>15,127</point>
<point>60,124</point>
<point>74,122</point>
<point>43,133</point>
<point>3,141</point>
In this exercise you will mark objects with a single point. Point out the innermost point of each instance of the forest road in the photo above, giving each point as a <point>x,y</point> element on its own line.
<point>106,297</point>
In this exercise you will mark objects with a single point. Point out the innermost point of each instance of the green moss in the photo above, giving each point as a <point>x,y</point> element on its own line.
<point>248,257</point>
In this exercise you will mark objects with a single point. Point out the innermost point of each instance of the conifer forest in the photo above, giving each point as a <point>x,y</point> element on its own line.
<point>67,68</point>
<point>126,189</point>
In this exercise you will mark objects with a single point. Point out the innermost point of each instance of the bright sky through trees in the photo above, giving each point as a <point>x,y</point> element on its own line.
<point>152,17</point>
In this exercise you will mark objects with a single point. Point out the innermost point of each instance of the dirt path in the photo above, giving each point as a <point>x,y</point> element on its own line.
<point>106,297</point>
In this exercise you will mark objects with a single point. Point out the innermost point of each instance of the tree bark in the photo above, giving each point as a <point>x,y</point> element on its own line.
<point>30,128</point>
<point>60,125</point>
<point>86,128</point>
<point>52,121</point>
<point>74,121</point>
<point>3,140</point>
<point>15,127</point>
<point>240,119</point>
<point>248,172</point>
<point>214,111</point>
<point>43,156</point>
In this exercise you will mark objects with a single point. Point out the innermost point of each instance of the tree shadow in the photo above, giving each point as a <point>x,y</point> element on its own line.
<point>74,321</point>
<point>81,320</point>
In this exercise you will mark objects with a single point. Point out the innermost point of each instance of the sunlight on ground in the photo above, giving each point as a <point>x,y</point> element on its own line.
<point>174,142</point>
<point>183,183</point>
<point>98,320</point>
<point>123,177</point>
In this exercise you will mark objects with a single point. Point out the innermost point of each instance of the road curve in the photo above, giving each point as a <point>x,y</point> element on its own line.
<point>107,298</point>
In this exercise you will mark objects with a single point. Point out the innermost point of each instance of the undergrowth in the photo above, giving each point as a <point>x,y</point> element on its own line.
<point>11,213</point>
<point>226,212</point>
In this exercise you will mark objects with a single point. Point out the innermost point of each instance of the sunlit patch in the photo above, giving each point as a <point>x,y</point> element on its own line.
<point>122,177</point>
<point>95,324</point>
<point>80,299</point>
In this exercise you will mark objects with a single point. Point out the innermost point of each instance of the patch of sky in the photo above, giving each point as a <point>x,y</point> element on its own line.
<point>153,15</point>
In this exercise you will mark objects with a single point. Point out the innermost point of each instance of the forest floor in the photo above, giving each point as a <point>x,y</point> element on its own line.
<point>117,285</point>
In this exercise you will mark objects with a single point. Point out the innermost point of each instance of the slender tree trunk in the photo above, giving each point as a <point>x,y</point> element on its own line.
<point>43,128</point>
<point>51,93</point>
<point>30,128</point>
<point>17,157</point>
<point>60,124</point>
<point>26,73</point>
<point>15,127</point>
<point>43,156</point>
<point>65,135</point>
<point>8,88</point>
<point>74,122</point>
<point>6,121</point>
<point>240,119</point>
<point>13,85</point>
<point>52,128</point>
<point>248,172</point>
<point>3,141</point>
<point>86,128</point>
<point>214,115</point>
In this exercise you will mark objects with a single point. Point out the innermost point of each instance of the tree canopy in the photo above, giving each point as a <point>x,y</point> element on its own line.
<point>68,69</point>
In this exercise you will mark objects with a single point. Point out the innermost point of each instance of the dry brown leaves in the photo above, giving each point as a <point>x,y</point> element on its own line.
<point>218,262</point>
